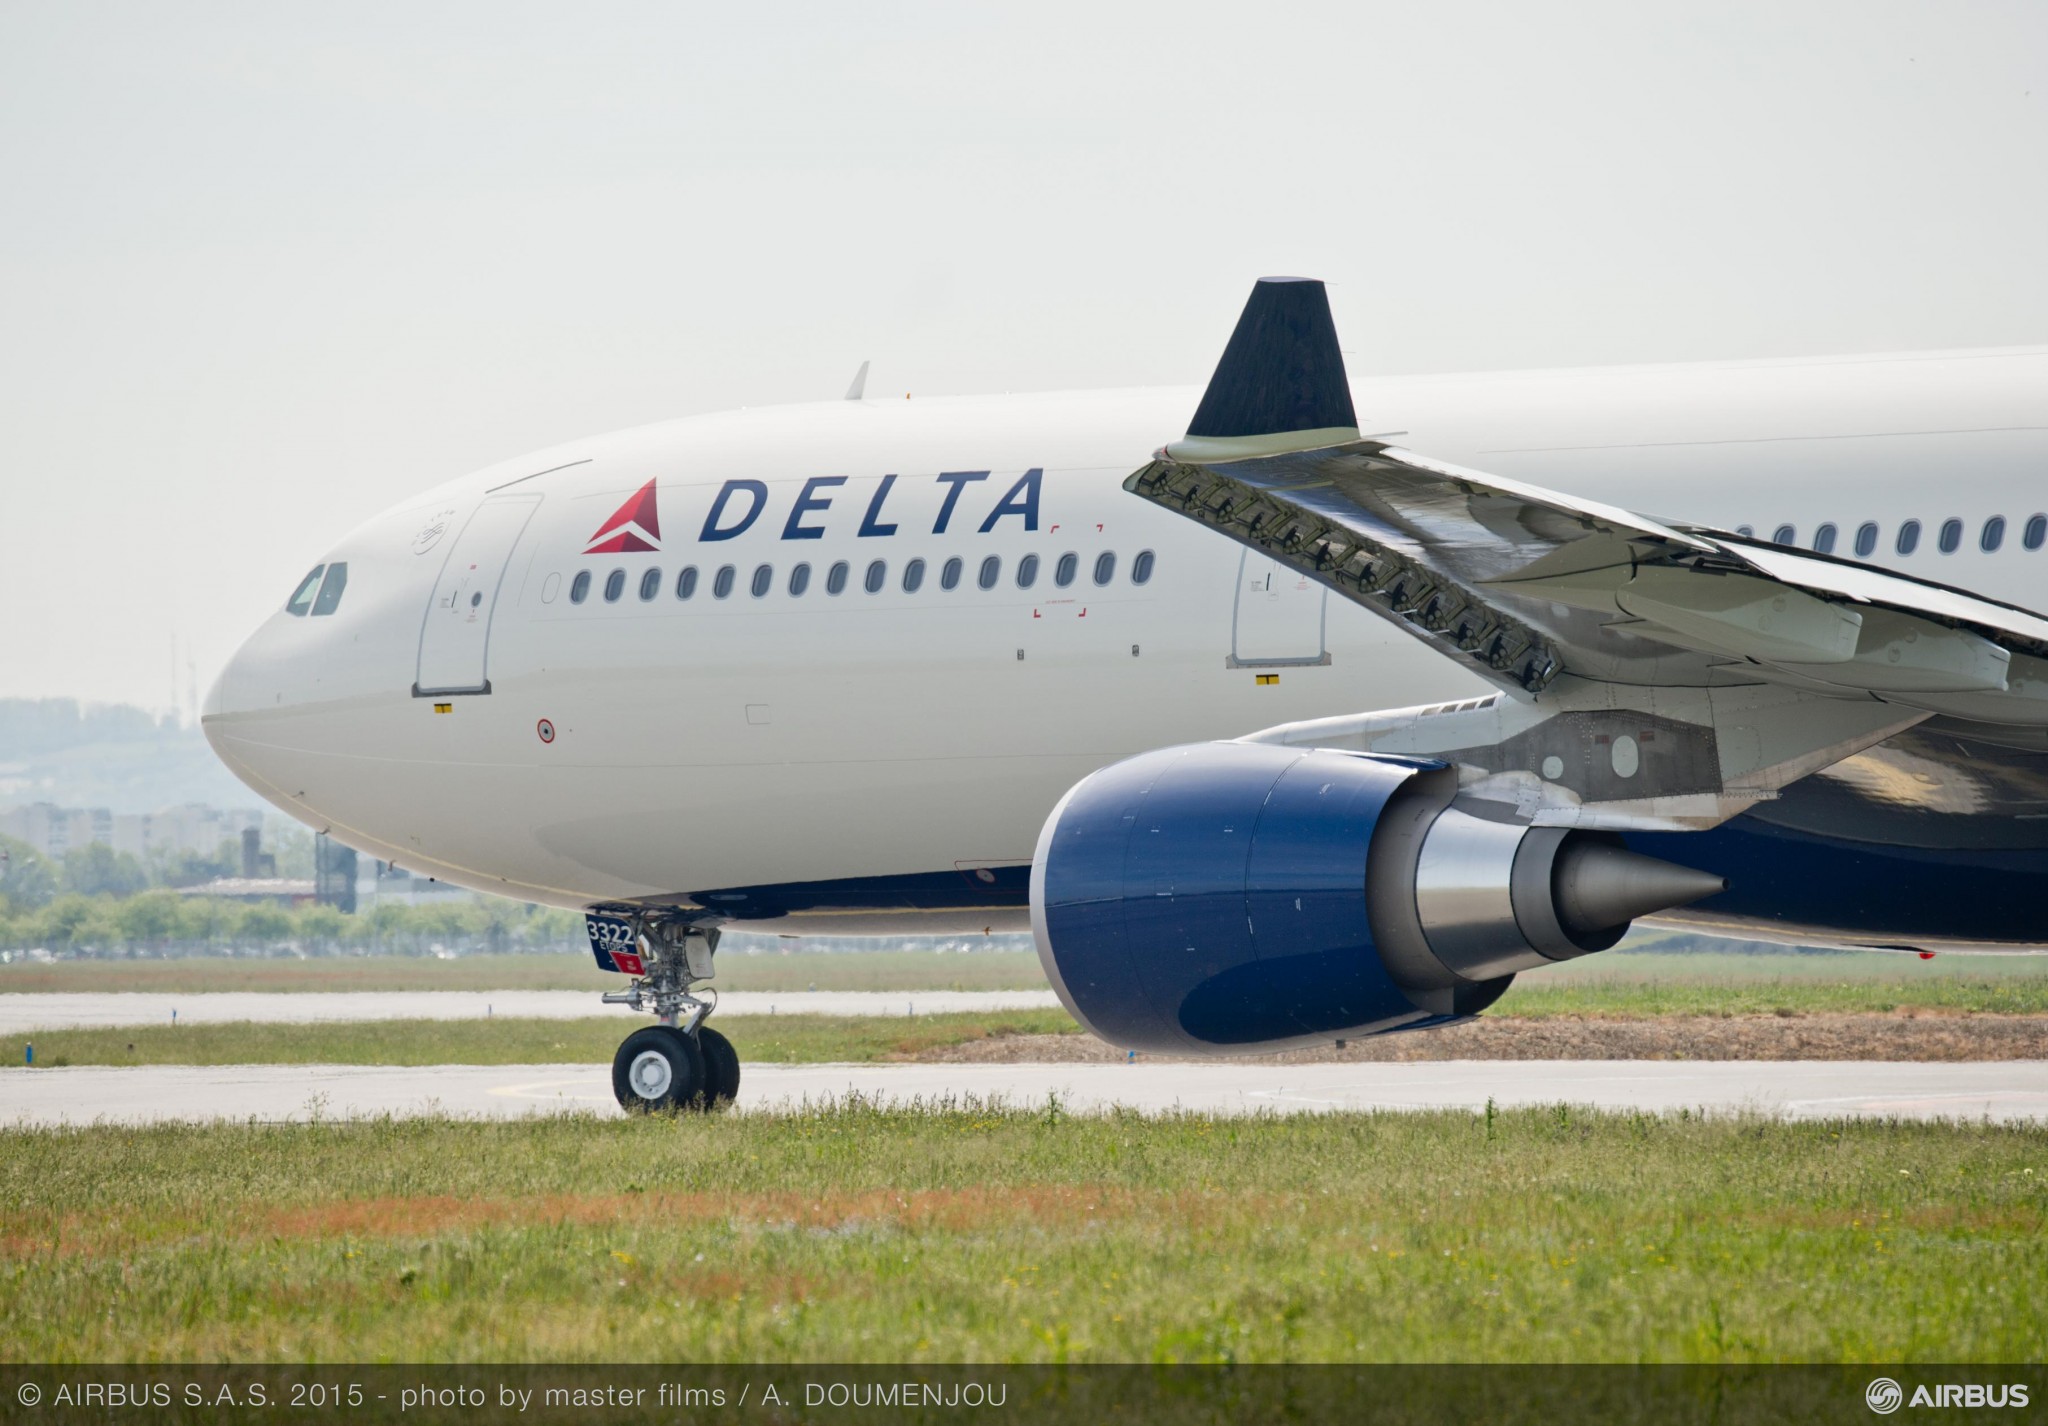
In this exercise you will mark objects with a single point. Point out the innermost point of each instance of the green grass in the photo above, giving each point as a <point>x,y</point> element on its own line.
<point>503,1040</point>
<point>848,1233</point>
<point>1636,985</point>
<point>799,970</point>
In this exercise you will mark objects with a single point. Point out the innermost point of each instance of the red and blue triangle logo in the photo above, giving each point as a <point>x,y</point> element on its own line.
<point>633,528</point>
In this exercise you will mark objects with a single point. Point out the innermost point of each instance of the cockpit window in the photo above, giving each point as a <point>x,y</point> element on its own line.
<point>302,597</point>
<point>331,589</point>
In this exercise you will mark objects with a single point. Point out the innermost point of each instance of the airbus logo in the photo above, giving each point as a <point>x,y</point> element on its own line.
<point>634,528</point>
<point>1885,1395</point>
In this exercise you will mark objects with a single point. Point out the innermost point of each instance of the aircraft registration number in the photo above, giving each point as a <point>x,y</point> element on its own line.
<point>614,945</point>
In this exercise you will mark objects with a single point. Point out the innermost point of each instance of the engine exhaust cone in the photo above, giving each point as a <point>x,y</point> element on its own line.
<point>1598,886</point>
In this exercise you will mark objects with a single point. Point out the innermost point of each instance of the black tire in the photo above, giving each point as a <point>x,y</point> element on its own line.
<point>658,1070</point>
<point>721,1066</point>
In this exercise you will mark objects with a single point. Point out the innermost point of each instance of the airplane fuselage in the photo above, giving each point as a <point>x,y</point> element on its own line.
<point>535,686</point>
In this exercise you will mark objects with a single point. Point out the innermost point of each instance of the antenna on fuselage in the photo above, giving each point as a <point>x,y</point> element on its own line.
<point>859,389</point>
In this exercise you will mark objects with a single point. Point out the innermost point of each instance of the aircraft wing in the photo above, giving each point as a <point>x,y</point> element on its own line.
<point>1555,598</point>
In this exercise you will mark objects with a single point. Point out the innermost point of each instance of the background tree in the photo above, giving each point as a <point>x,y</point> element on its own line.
<point>27,880</point>
<point>264,926</point>
<point>99,870</point>
<point>150,921</point>
<point>197,868</point>
<point>75,923</point>
<point>210,921</point>
<point>320,928</point>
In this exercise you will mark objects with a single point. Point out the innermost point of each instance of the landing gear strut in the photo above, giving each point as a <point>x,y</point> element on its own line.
<point>680,1063</point>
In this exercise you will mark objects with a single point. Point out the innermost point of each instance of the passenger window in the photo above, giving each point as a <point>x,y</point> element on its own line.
<point>991,571</point>
<point>2036,532</point>
<point>1909,537</point>
<point>650,584</point>
<point>764,575</point>
<point>1027,571</point>
<point>1748,532</point>
<point>614,586</point>
<point>835,578</point>
<point>721,583</point>
<point>913,576</point>
<point>302,597</point>
<point>799,580</point>
<point>1105,567</point>
<point>579,587</point>
<point>949,576</point>
<point>686,582</point>
<point>1824,540</point>
<point>1063,572</point>
<point>1866,539</point>
<point>1784,535</point>
<point>1989,541</point>
<point>1141,567</point>
<point>1951,536</point>
<point>878,571</point>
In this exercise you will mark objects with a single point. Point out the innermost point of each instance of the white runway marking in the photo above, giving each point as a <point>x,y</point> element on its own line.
<point>24,1012</point>
<point>2014,1090</point>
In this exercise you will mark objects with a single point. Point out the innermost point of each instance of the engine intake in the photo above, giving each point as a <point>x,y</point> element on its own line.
<point>1226,897</point>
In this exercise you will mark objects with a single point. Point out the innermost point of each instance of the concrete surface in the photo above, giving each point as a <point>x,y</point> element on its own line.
<point>2010,1090</point>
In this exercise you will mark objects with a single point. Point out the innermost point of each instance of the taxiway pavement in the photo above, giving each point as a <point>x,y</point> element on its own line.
<point>2014,1090</point>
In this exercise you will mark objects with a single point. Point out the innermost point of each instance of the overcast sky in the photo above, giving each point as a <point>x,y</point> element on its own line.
<point>267,269</point>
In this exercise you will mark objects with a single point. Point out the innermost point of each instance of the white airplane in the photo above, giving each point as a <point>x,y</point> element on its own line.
<point>1301,727</point>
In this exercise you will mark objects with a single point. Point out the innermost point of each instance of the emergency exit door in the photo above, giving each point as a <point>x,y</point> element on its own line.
<point>1279,616</point>
<point>455,637</point>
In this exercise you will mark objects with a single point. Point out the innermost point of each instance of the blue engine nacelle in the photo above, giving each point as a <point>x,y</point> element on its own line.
<point>1237,897</point>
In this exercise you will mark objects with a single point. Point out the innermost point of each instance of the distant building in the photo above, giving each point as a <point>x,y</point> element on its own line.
<point>386,884</point>
<point>334,873</point>
<point>194,828</point>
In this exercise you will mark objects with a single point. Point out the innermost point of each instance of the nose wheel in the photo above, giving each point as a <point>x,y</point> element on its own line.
<point>721,1066</point>
<point>664,1070</point>
<point>658,1070</point>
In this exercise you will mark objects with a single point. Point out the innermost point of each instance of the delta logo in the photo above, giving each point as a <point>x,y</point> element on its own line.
<point>634,528</point>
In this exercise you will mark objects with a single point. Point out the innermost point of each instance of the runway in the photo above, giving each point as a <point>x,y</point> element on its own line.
<point>2013,1090</point>
<point>24,1012</point>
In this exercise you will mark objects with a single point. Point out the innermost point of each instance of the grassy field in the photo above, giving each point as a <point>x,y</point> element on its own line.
<point>503,1040</point>
<point>799,970</point>
<point>1638,985</point>
<point>852,1234</point>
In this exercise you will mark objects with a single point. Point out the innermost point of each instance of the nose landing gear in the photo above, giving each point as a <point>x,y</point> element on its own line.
<point>679,1064</point>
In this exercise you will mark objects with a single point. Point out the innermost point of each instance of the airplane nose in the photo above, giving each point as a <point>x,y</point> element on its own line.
<point>216,696</point>
<point>215,715</point>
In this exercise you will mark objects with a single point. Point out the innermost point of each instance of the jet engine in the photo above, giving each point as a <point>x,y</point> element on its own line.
<point>1232,898</point>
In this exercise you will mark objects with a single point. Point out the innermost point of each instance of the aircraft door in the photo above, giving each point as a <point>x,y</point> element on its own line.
<point>455,636</point>
<point>1279,616</point>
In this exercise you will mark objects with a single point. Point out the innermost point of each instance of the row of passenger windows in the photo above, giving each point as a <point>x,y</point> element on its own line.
<point>320,591</point>
<point>1948,539</point>
<point>1064,572</point>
